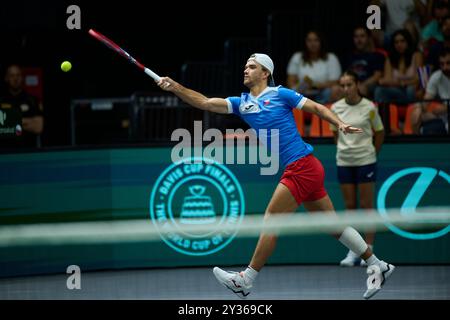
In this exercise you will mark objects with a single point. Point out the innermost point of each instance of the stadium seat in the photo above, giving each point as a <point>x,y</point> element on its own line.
<point>299,120</point>
<point>433,105</point>
<point>407,128</point>
<point>393,115</point>
<point>314,130</point>
<point>326,131</point>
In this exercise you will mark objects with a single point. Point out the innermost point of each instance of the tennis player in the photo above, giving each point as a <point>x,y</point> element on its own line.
<point>269,107</point>
<point>356,155</point>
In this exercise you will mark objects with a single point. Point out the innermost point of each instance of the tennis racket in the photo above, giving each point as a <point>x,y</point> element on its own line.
<point>113,46</point>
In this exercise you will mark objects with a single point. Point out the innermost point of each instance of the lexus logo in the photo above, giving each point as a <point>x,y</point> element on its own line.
<point>418,190</point>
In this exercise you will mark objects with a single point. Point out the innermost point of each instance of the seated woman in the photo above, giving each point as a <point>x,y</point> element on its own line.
<point>400,79</point>
<point>315,72</point>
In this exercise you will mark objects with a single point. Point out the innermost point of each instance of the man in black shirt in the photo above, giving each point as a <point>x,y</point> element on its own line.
<point>20,101</point>
<point>365,62</point>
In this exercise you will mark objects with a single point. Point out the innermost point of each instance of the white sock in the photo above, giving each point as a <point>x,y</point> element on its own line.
<point>353,241</point>
<point>250,275</point>
<point>372,260</point>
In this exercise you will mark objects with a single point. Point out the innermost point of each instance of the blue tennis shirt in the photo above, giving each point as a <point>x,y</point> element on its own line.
<point>272,109</point>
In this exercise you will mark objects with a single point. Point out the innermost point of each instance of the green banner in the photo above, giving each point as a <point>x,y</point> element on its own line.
<point>63,186</point>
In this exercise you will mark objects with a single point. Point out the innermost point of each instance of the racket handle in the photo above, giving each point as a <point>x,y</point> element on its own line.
<point>152,74</point>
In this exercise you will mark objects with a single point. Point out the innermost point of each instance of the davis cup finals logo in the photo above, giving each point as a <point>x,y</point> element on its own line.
<point>197,192</point>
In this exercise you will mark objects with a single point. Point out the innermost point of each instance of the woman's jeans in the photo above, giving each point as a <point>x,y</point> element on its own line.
<point>400,95</point>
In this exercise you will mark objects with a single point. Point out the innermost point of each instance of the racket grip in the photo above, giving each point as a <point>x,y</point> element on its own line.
<point>152,74</point>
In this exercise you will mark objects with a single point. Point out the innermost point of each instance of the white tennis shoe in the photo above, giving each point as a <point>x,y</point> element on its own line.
<point>233,281</point>
<point>377,276</point>
<point>351,260</point>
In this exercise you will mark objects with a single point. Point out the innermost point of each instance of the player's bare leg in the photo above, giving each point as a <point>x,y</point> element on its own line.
<point>240,283</point>
<point>282,202</point>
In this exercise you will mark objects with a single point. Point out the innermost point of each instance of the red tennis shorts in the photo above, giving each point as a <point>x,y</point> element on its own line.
<point>305,178</point>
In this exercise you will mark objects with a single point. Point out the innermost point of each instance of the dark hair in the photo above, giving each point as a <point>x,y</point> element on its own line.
<point>270,79</point>
<point>394,56</point>
<point>364,28</point>
<point>352,74</point>
<point>306,55</point>
<point>355,77</point>
<point>443,52</point>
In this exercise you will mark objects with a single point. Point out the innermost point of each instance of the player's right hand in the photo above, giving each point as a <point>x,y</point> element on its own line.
<point>167,84</point>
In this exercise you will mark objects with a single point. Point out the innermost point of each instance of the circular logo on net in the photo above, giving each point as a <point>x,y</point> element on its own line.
<point>196,205</point>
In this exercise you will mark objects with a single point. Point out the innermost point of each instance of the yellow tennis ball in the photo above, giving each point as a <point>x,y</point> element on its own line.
<point>66,66</point>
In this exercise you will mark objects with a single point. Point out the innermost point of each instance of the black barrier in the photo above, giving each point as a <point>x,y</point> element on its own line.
<point>152,117</point>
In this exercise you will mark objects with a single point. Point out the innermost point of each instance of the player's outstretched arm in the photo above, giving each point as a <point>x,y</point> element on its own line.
<point>192,97</point>
<point>325,113</point>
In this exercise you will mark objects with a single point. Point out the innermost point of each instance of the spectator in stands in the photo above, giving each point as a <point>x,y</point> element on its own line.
<point>30,109</point>
<point>400,79</point>
<point>432,118</point>
<point>432,32</point>
<point>365,61</point>
<point>356,156</point>
<point>437,47</point>
<point>402,14</point>
<point>315,72</point>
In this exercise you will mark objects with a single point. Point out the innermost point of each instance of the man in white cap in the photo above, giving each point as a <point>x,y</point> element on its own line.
<point>267,65</point>
<point>269,107</point>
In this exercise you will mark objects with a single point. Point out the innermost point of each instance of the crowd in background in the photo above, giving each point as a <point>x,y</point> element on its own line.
<point>406,61</point>
<point>405,64</point>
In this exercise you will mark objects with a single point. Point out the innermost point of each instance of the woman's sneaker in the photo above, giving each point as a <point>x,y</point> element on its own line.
<point>351,260</point>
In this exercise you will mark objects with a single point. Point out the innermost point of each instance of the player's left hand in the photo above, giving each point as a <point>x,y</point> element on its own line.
<point>346,128</point>
<point>167,84</point>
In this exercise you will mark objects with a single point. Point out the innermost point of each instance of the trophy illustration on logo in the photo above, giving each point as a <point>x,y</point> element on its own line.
<point>197,208</point>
